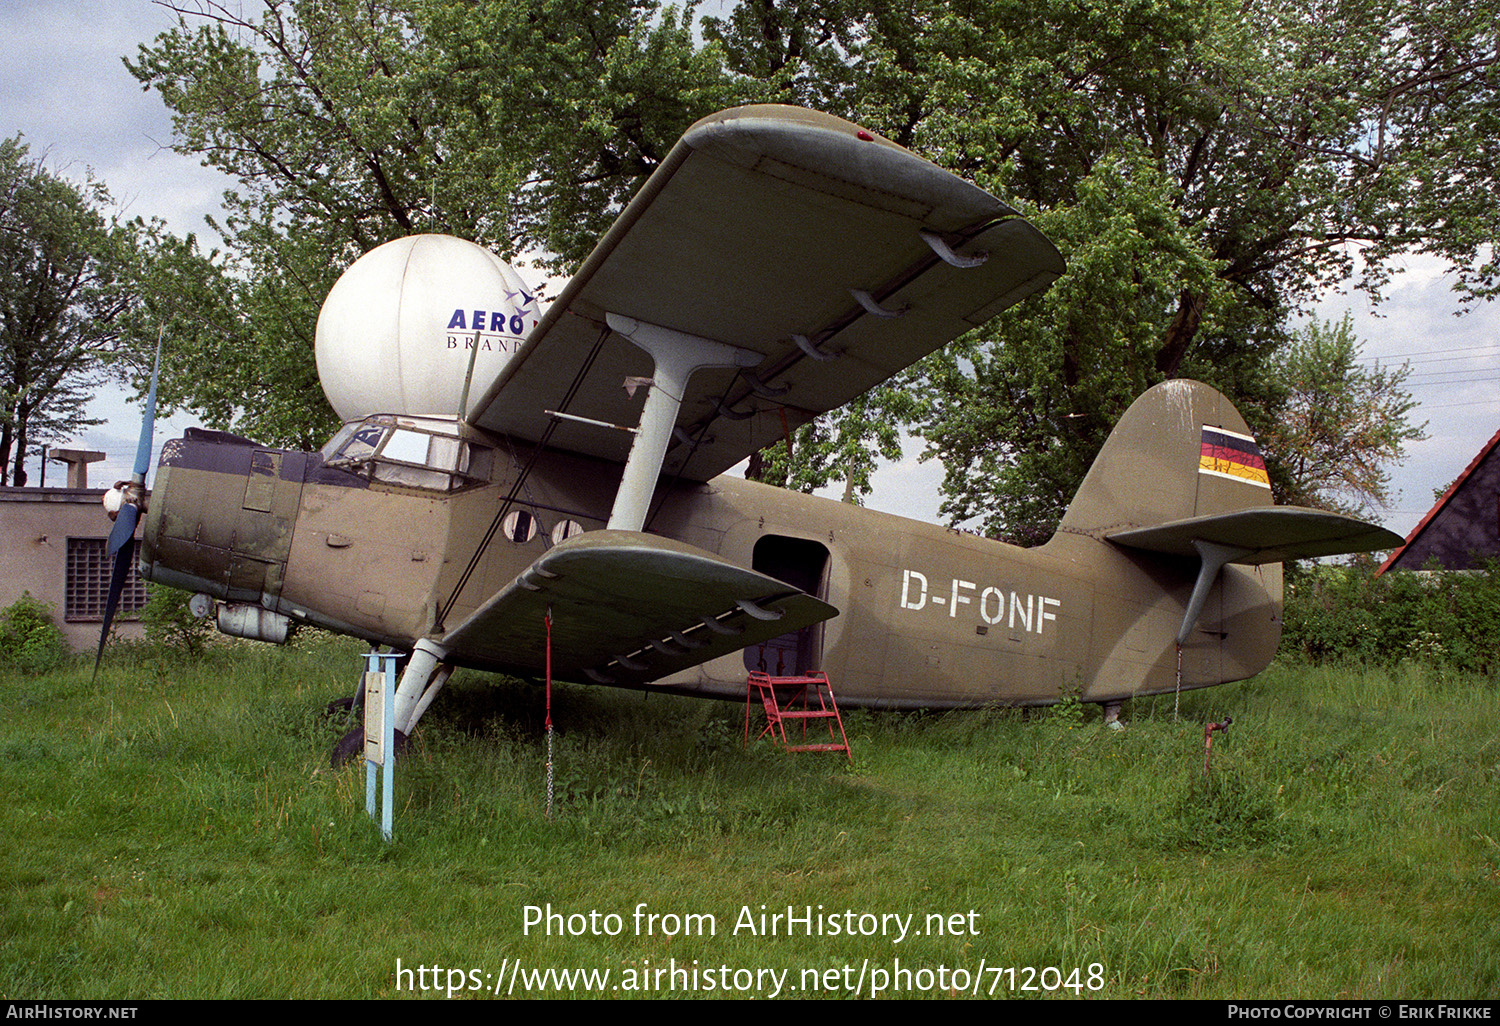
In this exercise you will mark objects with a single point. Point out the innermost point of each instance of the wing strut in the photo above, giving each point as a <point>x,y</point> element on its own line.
<point>677,355</point>
<point>1213,558</point>
<point>515,489</point>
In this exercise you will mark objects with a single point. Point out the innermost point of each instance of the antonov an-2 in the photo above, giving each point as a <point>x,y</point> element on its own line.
<point>779,263</point>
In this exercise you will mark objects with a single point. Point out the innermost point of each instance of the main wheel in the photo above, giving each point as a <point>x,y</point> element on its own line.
<point>341,706</point>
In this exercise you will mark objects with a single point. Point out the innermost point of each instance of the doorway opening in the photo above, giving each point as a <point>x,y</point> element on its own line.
<point>804,565</point>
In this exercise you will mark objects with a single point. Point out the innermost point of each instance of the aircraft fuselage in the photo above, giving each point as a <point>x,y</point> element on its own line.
<point>929,617</point>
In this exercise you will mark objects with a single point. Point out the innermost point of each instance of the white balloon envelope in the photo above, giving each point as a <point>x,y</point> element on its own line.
<point>399,328</point>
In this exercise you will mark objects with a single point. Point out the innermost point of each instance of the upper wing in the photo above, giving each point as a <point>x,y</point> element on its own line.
<point>628,608</point>
<point>754,230</point>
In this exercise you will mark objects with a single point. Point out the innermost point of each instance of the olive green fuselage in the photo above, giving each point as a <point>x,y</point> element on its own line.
<point>929,617</point>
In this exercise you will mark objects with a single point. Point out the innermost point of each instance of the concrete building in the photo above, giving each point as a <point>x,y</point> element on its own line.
<point>54,541</point>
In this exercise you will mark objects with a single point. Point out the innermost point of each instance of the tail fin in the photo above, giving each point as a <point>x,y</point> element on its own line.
<point>1181,451</point>
<point>1181,475</point>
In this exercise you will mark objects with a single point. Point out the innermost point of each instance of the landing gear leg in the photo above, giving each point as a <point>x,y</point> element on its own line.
<point>1112,716</point>
<point>356,701</point>
<point>424,677</point>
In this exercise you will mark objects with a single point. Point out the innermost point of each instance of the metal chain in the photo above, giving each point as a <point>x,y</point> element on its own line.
<point>1177,698</point>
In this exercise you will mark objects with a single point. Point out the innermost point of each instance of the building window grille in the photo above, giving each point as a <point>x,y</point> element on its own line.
<point>87,583</point>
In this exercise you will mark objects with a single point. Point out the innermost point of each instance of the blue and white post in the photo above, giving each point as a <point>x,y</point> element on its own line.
<point>380,734</point>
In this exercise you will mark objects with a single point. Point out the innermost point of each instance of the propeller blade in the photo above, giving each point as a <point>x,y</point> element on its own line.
<point>117,578</point>
<point>124,529</point>
<point>148,422</point>
<point>122,535</point>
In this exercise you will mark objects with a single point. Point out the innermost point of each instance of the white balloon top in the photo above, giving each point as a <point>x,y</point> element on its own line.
<point>399,328</point>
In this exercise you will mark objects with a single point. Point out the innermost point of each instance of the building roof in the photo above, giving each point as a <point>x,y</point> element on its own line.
<point>50,494</point>
<point>1432,514</point>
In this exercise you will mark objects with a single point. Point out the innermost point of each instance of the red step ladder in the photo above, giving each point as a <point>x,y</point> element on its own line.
<point>796,700</point>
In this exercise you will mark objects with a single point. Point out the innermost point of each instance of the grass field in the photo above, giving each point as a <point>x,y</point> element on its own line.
<point>173,831</point>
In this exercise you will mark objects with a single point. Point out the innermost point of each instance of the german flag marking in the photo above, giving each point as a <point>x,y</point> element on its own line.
<point>1232,455</point>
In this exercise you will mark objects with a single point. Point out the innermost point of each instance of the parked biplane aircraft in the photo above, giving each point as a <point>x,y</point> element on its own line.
<point>498,465</point>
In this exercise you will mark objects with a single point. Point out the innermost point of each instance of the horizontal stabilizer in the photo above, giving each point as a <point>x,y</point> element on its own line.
<point>628,608</point>
<point>1265,534</point>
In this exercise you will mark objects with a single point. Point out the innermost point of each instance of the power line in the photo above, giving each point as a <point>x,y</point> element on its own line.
<point>1449,406</point>
<point>1420,355</point>
<point>1453,359</point>
<point>1450,381</point>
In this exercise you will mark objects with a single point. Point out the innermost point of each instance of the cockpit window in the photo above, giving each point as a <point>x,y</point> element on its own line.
<point>410,453</point>
<point>445,452</point>
<point>406,446</point>
<point>337,441</point>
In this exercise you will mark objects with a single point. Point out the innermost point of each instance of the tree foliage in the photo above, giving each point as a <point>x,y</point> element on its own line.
<point>1205,167</point>
<point>64,289</point>
<point>521,125</point>
<point>1018,412</point>
<point>844,445</point>
<point>1342,423</point>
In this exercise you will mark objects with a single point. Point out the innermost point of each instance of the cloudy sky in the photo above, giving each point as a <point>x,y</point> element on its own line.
<point>66,90</point>
<point>64,86</point>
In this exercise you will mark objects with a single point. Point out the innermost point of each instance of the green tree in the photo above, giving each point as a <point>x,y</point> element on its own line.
<point>1342,424</point>
<point>843,446</point>
<point>520,125</point>
<point>1018,410</point>
<point>1206,167</point>
<point>313,109</point>
<point>62,294</point>
<point>197,303</point>
<point>800,52</point>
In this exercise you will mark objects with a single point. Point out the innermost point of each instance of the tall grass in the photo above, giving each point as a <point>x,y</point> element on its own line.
<point>173,831</point>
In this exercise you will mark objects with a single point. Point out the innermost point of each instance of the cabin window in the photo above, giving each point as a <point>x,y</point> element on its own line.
<point>446,452</point>
<point>354,442</point>
<point>411,477</point>
<point>408,446</point>
<point>476,462</point>
<point>519,526</point>
<point>564,530</point>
